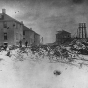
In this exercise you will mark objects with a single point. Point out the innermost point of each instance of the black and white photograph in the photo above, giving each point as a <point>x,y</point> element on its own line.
<point>43,43</point>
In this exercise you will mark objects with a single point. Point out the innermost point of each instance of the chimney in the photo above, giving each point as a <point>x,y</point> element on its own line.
<point>30,28</point>
<point>3,10</point>
<point>21,22</point>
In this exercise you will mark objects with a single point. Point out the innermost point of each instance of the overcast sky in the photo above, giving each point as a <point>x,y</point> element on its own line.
<point>48,16</point>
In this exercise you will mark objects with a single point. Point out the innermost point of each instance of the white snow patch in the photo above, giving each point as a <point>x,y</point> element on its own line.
<point>38,72</point>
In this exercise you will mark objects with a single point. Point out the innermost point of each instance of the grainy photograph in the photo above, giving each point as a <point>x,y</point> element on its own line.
<point>43,43</point>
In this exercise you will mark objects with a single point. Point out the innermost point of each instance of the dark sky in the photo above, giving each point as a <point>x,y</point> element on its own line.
<point>48,16</point>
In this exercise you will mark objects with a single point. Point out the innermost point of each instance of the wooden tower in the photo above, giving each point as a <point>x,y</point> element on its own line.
<point>81,31</point>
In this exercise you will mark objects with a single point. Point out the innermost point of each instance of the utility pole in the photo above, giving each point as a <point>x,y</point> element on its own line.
<point>41,40</point>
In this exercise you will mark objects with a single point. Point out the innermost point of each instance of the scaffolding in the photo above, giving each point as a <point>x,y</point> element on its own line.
<point>81,31</point>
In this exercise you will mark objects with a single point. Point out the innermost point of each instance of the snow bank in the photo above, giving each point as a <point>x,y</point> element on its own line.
<point>41,75</point>
<point>28,70</point>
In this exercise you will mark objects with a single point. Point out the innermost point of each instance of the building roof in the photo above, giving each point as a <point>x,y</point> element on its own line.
<point>6,17</point>
<point>27,29</point>
<point>10,18</point>
<point>37,33</point>
<point>63,31</point>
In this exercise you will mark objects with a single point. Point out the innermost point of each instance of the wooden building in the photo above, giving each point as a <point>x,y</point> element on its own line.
<point>36,39</point>
<point>62,36</point>
<point>30,36</point>
<point>11,30</point>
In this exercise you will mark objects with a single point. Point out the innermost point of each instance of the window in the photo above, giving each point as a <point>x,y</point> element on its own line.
<point>5,43</point>
<point>5,36</point>
<point>14,25</point>
<point>24,38</point>
<point>23,32</point>
<point>5,24</point>
<point>0,16</point>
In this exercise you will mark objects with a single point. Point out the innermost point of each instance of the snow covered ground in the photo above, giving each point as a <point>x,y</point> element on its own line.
<point>25,70</point>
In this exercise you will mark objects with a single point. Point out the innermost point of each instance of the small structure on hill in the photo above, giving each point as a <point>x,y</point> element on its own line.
<point>62,37</point>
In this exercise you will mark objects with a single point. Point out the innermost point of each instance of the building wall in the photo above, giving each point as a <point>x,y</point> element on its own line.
<point>29,37</point>
<point>63,37</point>
<point>1,33</point>
<point>14,33</point>
<point>18,32</point>
<point>26,37</point>
<point>9,30</point>
<point>10,33</point>
<point>36,39</point>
